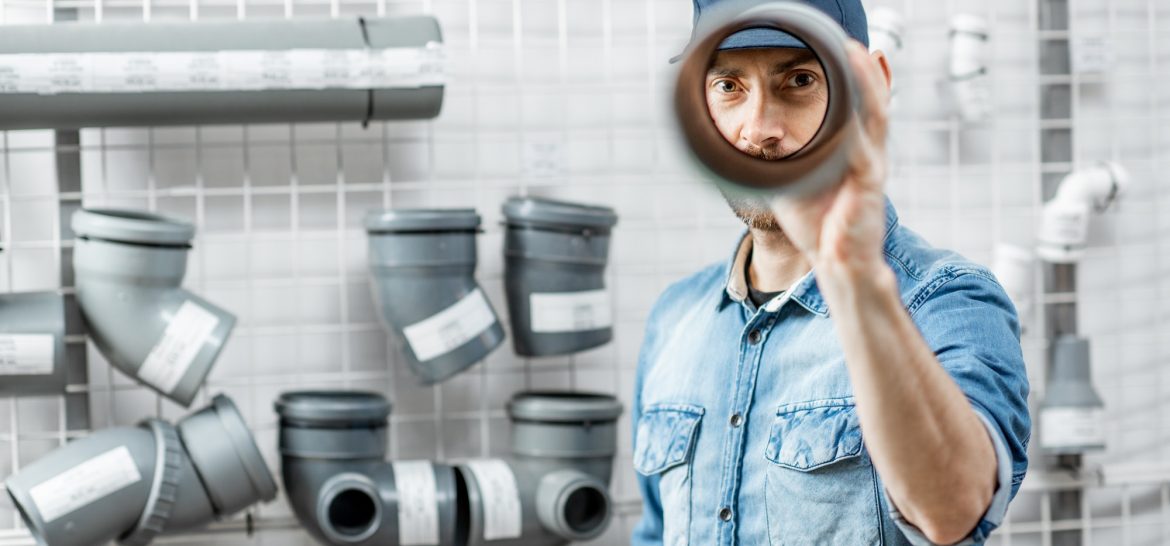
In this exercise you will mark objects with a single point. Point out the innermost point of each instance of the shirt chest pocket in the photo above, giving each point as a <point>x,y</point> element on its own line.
<point>663,447</point>
<point>821,487</point>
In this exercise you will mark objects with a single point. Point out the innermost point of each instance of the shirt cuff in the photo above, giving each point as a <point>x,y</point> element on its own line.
<point>995,511</point>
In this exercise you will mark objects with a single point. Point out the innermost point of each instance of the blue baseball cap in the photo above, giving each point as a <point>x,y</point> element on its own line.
<point>848,13</point>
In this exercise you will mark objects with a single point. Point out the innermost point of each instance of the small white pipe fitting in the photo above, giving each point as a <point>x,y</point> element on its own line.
<point>969,66</point>
<point>1064,227</point>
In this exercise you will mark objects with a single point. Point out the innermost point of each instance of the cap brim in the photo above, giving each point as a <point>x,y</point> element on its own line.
<point>754,38</point>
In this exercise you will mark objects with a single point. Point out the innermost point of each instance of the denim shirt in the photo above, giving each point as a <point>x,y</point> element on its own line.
<point>745,429</point>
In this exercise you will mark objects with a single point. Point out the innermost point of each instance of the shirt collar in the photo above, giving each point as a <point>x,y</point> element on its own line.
<point>804,291</point>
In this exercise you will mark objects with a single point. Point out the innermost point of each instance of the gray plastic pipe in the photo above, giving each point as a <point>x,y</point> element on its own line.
<point>129,266</point>
<point>824,160</point>
<point>342,489</point>
<point>100,109</point>
<point>554,489</point>
<point>422,270</point>
<point>135,483</point>
<point>32,344</point>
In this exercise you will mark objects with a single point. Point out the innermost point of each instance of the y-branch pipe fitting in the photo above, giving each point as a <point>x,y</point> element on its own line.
<point>132,484</point>
<point>342,489</point>
<point>32,344</point>
<point>422,269</point>
<point>824,160</point>
<point>129,266</point>
<point>554,489</point>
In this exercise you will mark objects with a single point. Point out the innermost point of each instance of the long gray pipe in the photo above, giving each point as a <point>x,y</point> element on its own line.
<point>123,109</point>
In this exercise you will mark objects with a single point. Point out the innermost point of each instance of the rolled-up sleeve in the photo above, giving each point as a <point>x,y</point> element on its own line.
<point>969,322</point>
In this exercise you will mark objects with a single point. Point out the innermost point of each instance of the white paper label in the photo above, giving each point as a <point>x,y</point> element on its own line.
<point>168,361</point>
<point>85,483</point>
<point>236,70</point>
<point>1072,427</point>
<point>418,507</point>
<point>448,329</point>
<point>500,498</point>
<point>570,311</point>
<point>26,354</point>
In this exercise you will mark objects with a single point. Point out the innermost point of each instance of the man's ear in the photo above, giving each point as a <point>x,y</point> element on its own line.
<point>884,62</point>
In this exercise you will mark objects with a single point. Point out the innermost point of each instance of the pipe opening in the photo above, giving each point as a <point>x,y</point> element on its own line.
<point>352,512</point>
<point>586,509</point>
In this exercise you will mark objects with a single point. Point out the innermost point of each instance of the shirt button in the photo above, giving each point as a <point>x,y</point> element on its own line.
<point>725,514</point>
<point>754,337</point>
<point>736,420</point>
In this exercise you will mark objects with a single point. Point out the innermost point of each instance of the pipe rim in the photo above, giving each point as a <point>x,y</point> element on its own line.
<point>132,226</point>
<point>338,485</point>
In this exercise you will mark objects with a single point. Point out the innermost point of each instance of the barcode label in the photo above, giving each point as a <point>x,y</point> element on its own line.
<point>450,328</point>
<point>85,483</point>
<point>170,358</point>
<point>553,312</point>
<point>26,354</point>
<point>227,70</point>
<point>418,507</point>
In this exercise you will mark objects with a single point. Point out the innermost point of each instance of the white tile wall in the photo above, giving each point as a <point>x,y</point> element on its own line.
<point>568,99</point>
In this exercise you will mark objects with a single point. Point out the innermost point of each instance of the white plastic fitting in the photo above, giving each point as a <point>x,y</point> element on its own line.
<point>1014,267</point>
<point>969,67</point>
<point>886,31</point>
<point>1064,227</point>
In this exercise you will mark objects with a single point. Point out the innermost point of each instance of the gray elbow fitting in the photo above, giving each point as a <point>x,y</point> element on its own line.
<point>32,344</point>
<point>422,266</point>
<point>129,266</point>
<point>554,489</point>
<point>132,484</point>
<point>342,489</point>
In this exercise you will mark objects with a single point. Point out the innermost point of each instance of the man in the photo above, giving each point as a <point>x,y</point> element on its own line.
<point>837,380</point>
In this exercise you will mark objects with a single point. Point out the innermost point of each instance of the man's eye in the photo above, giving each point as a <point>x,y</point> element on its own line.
<point>804,79</point>
<point>726,86</point>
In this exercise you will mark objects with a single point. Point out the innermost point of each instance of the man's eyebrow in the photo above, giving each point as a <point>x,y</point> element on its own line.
<point>804,57</point>
<point>724,72</point>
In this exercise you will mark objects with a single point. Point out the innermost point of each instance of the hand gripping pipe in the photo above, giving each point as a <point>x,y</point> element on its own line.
<point>128,268</point>
<point>226,72</point>
<point>32,344</point>
<point>342,489</point>
<point>132,484</point>
<point>554,490</point>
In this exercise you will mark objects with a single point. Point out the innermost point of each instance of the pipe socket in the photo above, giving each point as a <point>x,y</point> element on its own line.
<point>32,344</point>
<point>132,484</point>
<point>341,488</point>
<point>422,268</point>
<point>129,266</point>
<point>555,254</point>
<point>553,490</point>
<point>886,34</point>
<point>968,72</point>
<point>220,72</point>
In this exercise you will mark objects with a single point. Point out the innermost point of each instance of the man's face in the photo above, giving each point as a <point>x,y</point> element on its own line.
<point>768,103</point>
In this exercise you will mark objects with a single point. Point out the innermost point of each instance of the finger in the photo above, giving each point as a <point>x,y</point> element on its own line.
<point>874,91</point>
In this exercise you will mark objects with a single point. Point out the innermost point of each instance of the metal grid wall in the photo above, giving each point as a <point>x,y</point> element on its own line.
<point>566,98</point>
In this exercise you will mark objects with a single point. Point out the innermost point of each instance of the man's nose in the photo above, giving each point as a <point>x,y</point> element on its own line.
<point>763,123</point>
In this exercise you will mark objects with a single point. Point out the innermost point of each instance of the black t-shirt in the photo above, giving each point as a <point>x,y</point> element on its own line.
<point>758,297</point>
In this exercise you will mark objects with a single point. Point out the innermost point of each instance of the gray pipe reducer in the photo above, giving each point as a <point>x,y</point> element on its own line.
<point>132,484</point>
<point>555,254</point>
<point>422,270</point>
<point>129,266</point>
